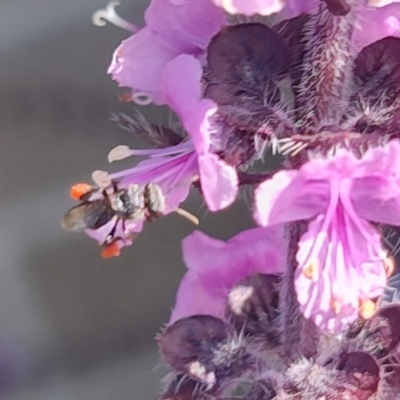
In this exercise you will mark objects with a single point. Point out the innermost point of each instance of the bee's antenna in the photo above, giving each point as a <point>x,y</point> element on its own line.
<point>189,216</point>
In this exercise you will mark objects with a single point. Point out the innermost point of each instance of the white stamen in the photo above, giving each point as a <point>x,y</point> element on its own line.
<point>101,178</point>
<point>141,98</point>
<point>100,18</point>
<point>189,216</point>
<point>119,153</point>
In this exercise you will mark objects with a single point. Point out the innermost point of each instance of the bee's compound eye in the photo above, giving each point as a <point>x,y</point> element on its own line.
<point>79,190</point>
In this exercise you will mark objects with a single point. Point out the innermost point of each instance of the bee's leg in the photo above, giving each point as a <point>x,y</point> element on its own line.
<point>111,235</point>
<point>124,225</point>
<point>148,215</point>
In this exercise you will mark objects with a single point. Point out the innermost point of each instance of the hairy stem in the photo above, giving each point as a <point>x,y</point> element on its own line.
<point>291,318</point>
<point>326,68</point>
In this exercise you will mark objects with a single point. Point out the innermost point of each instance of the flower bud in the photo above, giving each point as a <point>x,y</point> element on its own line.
<point>204,348</point>
<point>252,306</point>
<point>264,389</point>
<point>381,334</point>
<point>347,375</point>
<point>182,388</point>
<point>359,376</point>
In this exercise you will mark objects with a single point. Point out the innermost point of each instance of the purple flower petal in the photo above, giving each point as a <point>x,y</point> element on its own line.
<point>295,195</point>
<point>219,181</point>
<point>189,24</point>
<point>290,196</point>
<point>215,266</point>
<point>341,250</point>
<point>375,24</point>
<point>138,62</point>
<point>376,194</point>
<point>341,264</point>
<point>173,28</point>
<point>251,7</point>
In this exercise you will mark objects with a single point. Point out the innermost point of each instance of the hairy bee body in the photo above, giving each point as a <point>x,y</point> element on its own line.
<point>99,207</point>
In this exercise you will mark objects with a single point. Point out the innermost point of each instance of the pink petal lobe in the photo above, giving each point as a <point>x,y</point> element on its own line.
<point>189,23</point>
<point>219,182</point>
<point>251,7</point>
<point>187,303</point>
<point>138,62</point>
<point>376,23</point>
<point>340,264</point>
<point>375,191</point>
<point>289,196</point>
<point>215,266</point>
<point>181,84</point>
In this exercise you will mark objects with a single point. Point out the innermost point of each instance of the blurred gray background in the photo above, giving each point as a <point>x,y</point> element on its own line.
<point>74,326</point>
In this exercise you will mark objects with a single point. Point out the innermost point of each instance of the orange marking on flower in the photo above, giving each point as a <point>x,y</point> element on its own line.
<point>336,305</point>
<point>367,308</point>
<point>78,190</point>
<point>110,250</point>
<point>311,271</point>
<point>389,266</point>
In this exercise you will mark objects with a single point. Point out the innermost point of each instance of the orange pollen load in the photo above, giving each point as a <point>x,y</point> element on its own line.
<point>110,250</point>
<point>367,308</point>
<point>80,189</point>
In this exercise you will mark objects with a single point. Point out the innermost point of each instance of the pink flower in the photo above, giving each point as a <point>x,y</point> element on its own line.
<point>175,27</point>
<point>173,169</point>
<point>342,265</point>
<point>215,266</point>
<point>172,28</point>
<point>219,181</point>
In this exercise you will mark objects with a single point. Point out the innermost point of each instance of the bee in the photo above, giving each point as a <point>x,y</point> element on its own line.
<point>98,207</point>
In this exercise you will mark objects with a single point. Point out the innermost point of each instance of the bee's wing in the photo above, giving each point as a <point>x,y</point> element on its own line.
<point>87,215</point>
